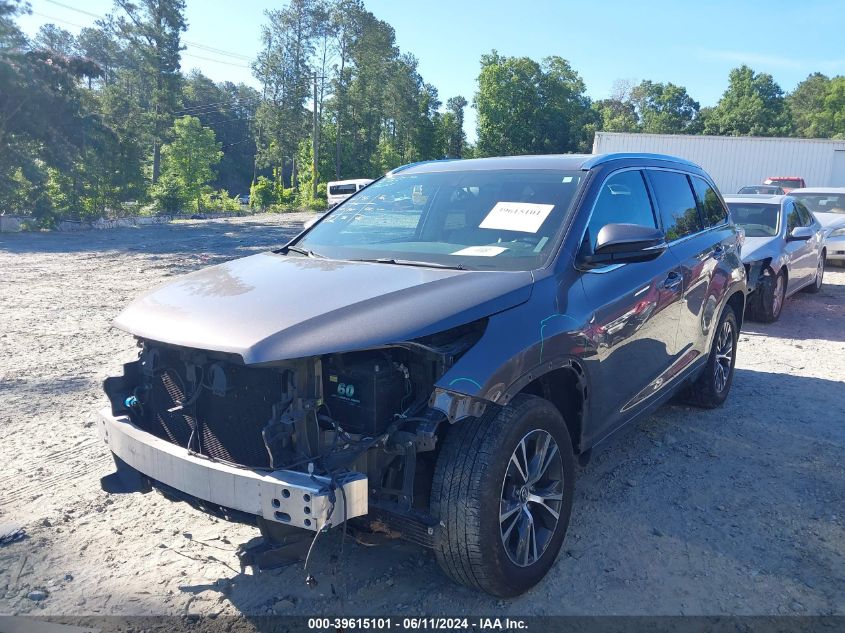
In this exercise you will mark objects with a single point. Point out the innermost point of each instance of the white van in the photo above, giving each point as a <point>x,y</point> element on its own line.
<point>339,190</point>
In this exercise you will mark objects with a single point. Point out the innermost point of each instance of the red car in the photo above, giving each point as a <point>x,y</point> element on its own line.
<point>787,183</point>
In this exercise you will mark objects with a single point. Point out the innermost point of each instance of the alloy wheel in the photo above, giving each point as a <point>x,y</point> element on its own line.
<point>532,497</point>
<point>724,356</point>
<point>820,273</point>
<point>777,299</point>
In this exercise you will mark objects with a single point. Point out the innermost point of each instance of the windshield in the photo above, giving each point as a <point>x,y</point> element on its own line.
<point>488,219</point>
<point>823,202</point>
<point>758,220</point>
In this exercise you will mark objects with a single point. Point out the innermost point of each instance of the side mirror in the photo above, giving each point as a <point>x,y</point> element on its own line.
<point>800,234</point>
<point>626,243</point>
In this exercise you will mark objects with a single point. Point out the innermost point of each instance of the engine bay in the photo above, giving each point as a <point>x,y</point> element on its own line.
<point>364,411</point>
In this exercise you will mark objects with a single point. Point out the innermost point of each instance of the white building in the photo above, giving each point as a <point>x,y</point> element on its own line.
<point>736,161</point>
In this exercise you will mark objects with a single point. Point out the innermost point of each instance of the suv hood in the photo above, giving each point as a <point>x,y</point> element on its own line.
<point>272,307</point>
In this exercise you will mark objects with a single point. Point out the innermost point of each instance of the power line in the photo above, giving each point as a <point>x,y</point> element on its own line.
<point>210,49</point>
<point>216,61</point>
<point>212,106</point>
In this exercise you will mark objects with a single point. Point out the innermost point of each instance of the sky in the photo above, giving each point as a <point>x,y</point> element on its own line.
<point>694,45</point>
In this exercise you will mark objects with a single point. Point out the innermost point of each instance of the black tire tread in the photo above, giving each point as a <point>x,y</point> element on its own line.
<point>759,306</point>
<point>465,457</point>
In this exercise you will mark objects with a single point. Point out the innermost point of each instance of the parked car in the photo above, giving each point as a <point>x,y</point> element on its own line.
<point>828,205</point>
<point>772,190</point>
<point>435,368</point>
<point>783,253</point>
<point>244,199</point>
<point>339,190</point>
<point>787,183</point>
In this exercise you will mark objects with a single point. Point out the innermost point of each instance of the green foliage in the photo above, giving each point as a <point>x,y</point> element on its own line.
<point>167,194</point>
<point>190,158</point>
<point>262,194</point>
<point>664,108</point>
<point>220,200</point>
<point>530,108</point>
<point>818,107</point>
<point>616,115</point>
<point>752,105</point>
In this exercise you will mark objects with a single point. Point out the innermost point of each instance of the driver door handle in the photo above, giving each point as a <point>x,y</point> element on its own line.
<point>673,281</point>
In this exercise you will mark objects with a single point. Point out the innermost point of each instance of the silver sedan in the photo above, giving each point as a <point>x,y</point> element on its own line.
<point>783,253</point>
<point>828,205</point>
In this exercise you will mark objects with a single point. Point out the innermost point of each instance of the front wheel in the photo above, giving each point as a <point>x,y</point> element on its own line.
<point>711,388</point>
<point>502,490</point>
<point>767,301</point>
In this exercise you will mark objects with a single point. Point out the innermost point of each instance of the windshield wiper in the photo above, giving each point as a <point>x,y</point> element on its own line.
<point>303,251</point>
<point>410,262</point>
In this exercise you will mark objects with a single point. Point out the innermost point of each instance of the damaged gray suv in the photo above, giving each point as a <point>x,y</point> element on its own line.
<point>432,357</point>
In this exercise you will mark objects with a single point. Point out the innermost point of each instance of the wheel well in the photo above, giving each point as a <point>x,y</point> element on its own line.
<point>566,389</point>
<point>737,302</point>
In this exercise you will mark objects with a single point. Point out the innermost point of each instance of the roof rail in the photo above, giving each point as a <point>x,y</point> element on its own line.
<point>600,159</point>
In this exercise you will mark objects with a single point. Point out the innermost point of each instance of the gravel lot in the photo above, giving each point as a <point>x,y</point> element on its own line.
<point>740,510</point>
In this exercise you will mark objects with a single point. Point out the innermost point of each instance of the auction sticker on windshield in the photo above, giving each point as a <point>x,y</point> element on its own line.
<point>525,217</point>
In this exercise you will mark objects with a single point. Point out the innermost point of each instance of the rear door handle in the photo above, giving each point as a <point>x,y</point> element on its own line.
<point>673,281</point>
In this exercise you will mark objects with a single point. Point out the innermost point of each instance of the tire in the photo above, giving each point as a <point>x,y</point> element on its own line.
<point>814,287</point>
<point>711,388</point>
<point>475,478</point>
<point>767,301</point>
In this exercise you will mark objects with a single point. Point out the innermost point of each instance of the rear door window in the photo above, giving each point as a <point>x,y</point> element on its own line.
<point>623,199</point>
<point>675,200</point>
<point>713,212</point>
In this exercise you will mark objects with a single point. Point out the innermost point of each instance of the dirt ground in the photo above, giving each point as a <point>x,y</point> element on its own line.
<point>739,510</point>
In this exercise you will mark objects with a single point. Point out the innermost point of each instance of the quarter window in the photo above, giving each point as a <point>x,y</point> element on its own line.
<point>676,202</point>
<point>712,210</point>
<point>623,200</point>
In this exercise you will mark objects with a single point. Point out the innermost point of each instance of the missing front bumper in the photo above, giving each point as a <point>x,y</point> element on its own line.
<point>283,496</point>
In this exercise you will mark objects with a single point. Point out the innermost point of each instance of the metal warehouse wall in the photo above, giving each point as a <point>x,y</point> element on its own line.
<point>735,161</point>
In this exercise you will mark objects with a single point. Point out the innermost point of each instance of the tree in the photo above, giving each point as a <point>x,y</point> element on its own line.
<point>285,68</point>
<point>47,127</point>
<point>191,156</point>
<point>664,108</point>
<point>229,110</point>
<point>616,115</point>
<point>525,107</point>
<point>752,105</point>
<point>818,107</point>
<point>456,138</point>
<point>152,29</point>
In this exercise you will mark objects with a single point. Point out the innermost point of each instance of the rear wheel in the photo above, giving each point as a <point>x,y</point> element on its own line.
<point>817,282</point>
<point>767,301</point>
<point>711,388</point>
<point>502,490</point>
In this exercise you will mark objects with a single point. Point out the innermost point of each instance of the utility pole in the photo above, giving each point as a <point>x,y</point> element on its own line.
<point>315,143</point>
